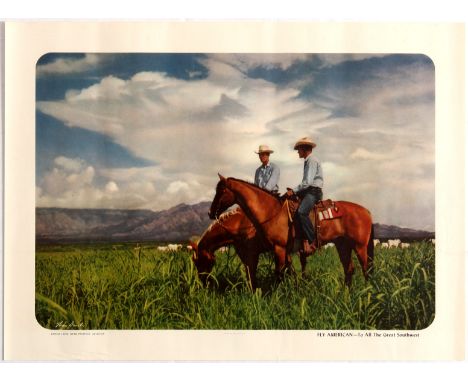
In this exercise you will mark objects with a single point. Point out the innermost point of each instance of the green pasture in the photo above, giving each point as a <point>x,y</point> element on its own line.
<point>116,286</point>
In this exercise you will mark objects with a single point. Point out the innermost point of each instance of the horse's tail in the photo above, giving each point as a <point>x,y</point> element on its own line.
<point>370,250</point>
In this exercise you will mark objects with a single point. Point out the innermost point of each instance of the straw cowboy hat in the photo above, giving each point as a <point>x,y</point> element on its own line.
<point>306,141</point>
<point>264,149</point>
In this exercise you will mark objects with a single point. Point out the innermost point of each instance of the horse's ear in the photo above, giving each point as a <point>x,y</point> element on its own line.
<point>221,177</point>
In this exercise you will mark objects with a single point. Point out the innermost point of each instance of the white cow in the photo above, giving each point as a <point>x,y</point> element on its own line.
<point>329,245</point>
<point>174,247</point>
<point>404,245</point>
<point>394,243</point>
<point>162,248</point>
<point>376,242</point>
<point>384,245</point>
<point>433,241</point>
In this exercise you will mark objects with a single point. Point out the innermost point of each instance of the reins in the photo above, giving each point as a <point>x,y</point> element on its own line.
<point>247,228</point>
<point>276,215</point>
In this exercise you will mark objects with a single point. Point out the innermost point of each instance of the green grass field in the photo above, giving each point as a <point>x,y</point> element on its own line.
<point>113,287</point>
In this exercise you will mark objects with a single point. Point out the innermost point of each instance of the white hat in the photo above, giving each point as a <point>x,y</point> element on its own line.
<point>264,149</point>
<point>306,141</point>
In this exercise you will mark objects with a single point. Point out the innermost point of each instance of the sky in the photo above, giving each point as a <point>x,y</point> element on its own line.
<point>150,131</point>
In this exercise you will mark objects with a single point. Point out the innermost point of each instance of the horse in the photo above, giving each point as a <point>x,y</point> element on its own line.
<point>231,228</point>
<point>271,217</point>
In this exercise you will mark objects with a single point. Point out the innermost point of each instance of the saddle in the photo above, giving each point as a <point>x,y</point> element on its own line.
<point>323,210</point>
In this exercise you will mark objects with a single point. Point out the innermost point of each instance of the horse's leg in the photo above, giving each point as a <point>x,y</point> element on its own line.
<point>303,258</point>
<point>344,250</point>
<point>282,260</point>
<point>248,253</point>
<point>251,263</point>
<point>361,251</point>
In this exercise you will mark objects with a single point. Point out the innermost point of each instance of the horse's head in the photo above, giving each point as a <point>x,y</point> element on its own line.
<point>223,199</point>
<point>203,260</point>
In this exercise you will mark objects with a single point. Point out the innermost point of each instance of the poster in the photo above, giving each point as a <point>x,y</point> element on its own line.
<point>239,65</point>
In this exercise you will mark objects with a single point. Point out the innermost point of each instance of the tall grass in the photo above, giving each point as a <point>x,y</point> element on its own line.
<point>106,287</point>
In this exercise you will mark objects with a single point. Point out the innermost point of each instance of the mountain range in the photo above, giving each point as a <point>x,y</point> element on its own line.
<point>177,224</point>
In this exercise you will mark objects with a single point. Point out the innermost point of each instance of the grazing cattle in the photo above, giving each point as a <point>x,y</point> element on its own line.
<point>404,245</point>
<point>329,245</point>
<point>162,248</point>
<point>376,242</point>
<point>384,245</point>
<point>394,243</point>
<point>174,247</point>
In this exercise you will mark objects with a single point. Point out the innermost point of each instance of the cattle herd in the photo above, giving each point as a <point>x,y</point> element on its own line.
<point>392,243</point>
<point>179,247</point>
<point>170,247</point>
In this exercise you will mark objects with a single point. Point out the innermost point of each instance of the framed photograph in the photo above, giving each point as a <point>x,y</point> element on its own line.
<point>161,178</point>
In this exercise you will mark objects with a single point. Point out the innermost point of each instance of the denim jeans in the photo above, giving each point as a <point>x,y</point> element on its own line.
<point>311,197</point>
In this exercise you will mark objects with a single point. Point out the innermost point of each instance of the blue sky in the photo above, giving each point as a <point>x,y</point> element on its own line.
<point>153,130</point>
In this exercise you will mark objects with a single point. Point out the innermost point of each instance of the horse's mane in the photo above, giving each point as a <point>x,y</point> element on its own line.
<point>271,193</point>
<point>228,213</point>
<point>222,218</point>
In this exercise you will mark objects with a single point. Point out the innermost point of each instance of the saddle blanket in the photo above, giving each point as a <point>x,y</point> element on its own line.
<point>327,209</point>
<point>329,213</point>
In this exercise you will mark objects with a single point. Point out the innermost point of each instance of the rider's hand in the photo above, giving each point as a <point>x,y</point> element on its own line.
<point>289,192</point>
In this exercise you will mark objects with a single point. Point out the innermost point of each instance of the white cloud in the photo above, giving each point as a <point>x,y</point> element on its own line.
<point>284,61</point>
<point>69,176</point>
<point>110,88</point>
<point>174,122</point>
<point>112,187</point>
<point>195,129</point>
<point>82,178</point>
<point>135,188</point>
<point>244,62</point>
<point>70,164</point>
<point>177,186</point>
<point>361,153</point>
<point>335,59</point>
<point>133,174</point>
<point>69,65</point>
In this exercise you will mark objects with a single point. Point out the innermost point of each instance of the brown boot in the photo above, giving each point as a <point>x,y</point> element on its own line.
<point>308,248</point>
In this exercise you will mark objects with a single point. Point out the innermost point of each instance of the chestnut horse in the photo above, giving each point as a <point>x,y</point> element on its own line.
<point>232,227</point>
<point>270,216</point>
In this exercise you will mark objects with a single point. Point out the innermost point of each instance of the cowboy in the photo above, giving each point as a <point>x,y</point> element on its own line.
<point>267,175</point>
<point>310,190</point>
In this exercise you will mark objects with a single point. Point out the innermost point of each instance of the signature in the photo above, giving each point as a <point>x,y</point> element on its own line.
<point>69,325</point>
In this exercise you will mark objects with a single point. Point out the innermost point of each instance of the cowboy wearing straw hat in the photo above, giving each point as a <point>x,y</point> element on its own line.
<point>310,190</point>
<point>267,175</point>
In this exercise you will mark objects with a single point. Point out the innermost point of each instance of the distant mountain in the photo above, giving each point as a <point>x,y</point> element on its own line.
<point>385,232</point>
<point>176,224</point>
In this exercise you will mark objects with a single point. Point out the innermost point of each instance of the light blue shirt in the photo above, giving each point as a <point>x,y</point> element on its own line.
<point>267,177</point>
<point>313,175</point>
